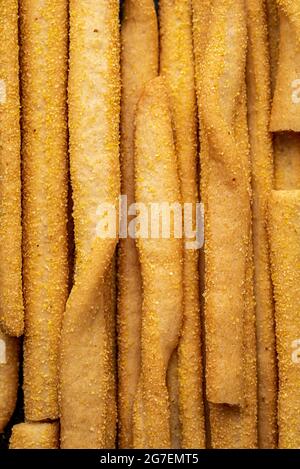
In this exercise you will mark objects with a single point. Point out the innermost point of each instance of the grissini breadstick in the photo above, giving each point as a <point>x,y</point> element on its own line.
<point>139,64</point>
<point>261,155</point>
<point>9,379</point>
<point>11,299</point>
<point>35,435</point>
<point>177,54</point>
<point>161,266</point>
<point>44,33</point>
<point>94,90</point>
<point>226,185</point>
<point>284,230</point>
<point>287,161</point>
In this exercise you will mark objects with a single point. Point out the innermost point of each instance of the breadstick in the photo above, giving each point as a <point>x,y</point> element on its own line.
<point>161,265</point>
<point>11,299</point>
<point>44,33</point>
<point>9,379</point>
<point>226,203</point>
<point>35,435</point>
<point>177,54</point>
<point>173,389</point>
<point>287,161</point>
<point>261,154</point>
<point>139,64</point>
<point>85,366</point>
<point>284,230</point>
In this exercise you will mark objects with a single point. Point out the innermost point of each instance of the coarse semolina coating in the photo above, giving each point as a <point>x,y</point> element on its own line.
<point>161,261</point>
<point>11,297</point>
<point>177,67</point>
<point>261,156</point>
<point>35,435</point>
<point>9,377</point>
<point>272,16</point>
<point>225,187</point>
<point>284,232</point>
<point>44,38</point>
<point>94,95</point>
<point>287,161</point>
<point>139,64</point>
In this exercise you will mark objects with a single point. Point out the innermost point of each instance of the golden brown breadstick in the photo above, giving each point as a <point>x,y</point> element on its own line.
<point>139,64</point>
<point>261,155</point>
<point>177,55</point>
<point>226,185</point>
<point>161,266</point>
<point>284,229</point>
<point>11,299</point>
<point>44,32</point>
<point>9,379</point>
<point>85,369</point>
<point>35,435</point>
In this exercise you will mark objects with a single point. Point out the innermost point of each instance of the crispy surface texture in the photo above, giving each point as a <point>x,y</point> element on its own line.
<point>9,378</point>
<point>35,435</point>
<point>11,298</point>
<point>284,230</point>
<point>177,66</point>
<point>44,150</point>
<point>161,265</point>
<point>86,353</point>
<point>139,64</point>
<point>261,154</point>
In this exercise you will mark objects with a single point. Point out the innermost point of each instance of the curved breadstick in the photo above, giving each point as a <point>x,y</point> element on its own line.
<point>94,154</point>
<point>286,100</point>
<point>11,300</point>
<point>161,264</point>
<point>284,229</point>
<point>227,228</point>
<point>44,72</point>
<point>177,54</point>
<point>35,435</point>
<point>9,378</point>
<point>261,154</point>
<point>139,64</point>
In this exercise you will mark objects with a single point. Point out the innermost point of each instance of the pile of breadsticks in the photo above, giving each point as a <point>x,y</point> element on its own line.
<point>137,341</point>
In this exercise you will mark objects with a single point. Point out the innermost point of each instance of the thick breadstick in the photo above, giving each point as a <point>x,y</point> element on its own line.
<point>139,64</point>
<point>261,154</point>
<point>225,181</point>
<point>286,101</point>
<point>284,229</point>
<point>35,435</point>
<point>177,65</point>
<point>85,375</point>
<point>44,32</point>
<point>9,379</point>
<point>11,300</point>
<point>161,265</point>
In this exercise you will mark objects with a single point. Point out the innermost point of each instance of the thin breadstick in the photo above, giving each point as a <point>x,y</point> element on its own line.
<point>177,66</point>
<point>9,378</point>
<point>226,185</point>
<point>139,64</point>
<point>261,155</point>
<point>44,32</point>
<point>94,88</point>
<point>284,230</point>
<point>35,435</point>
<point>161,265</point>
<point>11,299</point>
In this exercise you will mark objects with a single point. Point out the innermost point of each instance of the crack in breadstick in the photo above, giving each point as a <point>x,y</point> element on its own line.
<point>94,88</point>
<point>284,231</point>
<point>44,38</point>
<point>261,154</point>
<point>139,64</point>
<point>227,203</point>
<point>9,377</point>
<point>11,297</point>
<point>161,265</point>
<point>177,66</point>
<point>35,435</point>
